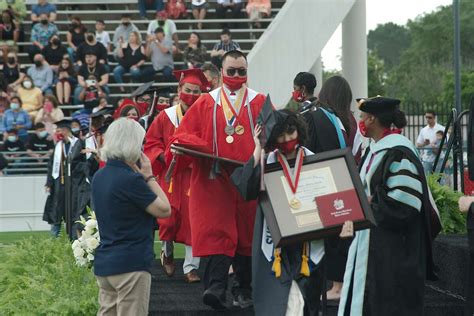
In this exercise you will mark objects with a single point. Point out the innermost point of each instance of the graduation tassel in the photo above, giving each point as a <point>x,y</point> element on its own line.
<point>304,260</point>
<point>170,188</point>
<point>276,268</point>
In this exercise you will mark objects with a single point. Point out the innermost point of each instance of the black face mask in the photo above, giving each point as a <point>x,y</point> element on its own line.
<point>44,22</point>
<point>75,24</point>
<point>126,24</point>
<point>56,41</point>
<point>11,60</point>
<point>161,23</point>
<point>38,63</point>
<point>90,38</point>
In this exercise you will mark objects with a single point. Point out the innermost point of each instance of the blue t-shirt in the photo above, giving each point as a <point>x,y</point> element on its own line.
<point>120,197</point>
<point>47,8</point>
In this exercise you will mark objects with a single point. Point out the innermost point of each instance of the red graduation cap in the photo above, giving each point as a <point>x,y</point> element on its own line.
<point>192,76</point>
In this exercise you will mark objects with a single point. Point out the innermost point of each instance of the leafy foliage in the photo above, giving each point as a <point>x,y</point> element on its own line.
<point>452,220</point>
<point>39,276</point>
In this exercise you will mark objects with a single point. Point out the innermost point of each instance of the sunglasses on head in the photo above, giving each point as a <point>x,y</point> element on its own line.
<point>232,71</point>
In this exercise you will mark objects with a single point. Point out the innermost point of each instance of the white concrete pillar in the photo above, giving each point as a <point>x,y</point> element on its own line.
<point>317,71</point>
<point>354,50</point>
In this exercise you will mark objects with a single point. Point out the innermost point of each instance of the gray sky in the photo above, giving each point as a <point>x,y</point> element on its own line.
<point>379,12</point>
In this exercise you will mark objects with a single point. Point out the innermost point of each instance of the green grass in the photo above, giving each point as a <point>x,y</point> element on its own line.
<point>8,238</point>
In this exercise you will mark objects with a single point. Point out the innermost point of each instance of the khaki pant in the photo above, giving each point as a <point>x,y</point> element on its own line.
<point>124,294</point>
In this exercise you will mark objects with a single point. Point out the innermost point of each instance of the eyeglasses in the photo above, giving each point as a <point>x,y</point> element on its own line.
<point>232,71</point>
<point>144,99</point>
<point>429,117</point>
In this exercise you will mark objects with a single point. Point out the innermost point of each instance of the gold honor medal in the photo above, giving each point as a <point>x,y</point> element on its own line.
<point>295,203</point>
<point>239,130</point>
<point>229,139</point>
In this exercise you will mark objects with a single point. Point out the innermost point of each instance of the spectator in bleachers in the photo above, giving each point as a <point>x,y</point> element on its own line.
<point>212,74</point>
<point>49,113</point>
<point>75,35</point>
<point>92,46</point>
<point>199,8</point>
<point>225,45</point>
<point>168,26</point>
<point>54,52</point>
<point>131,59</point>
<point>123,31</point>
<point>257,9</point>
<point>102,104</point>
<point>9,32</point>
<point>31,96</point>
<point>17,7</point>
<point>176,9</point>
<point>40,141</point>
<point>16,118</point>
<point>195,53</point>
<point>12,74</point>
<point>235,7</point>
<point>66,81</point>
<point>130,112</point>
<point>144,5</point>
<point>102,36</point>
<point>40,35</point>
<point>41,74</point>
<point>159,49</point>
<point>91,67</point>
<point>3,108</point>
<point>43,7</point>
<point>13,144</point>
<point>91,94</point>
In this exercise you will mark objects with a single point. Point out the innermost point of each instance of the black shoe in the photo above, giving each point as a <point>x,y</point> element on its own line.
<point>213,300</point>
<point>242,300</point>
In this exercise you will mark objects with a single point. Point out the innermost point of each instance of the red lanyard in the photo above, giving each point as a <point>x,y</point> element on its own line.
<point>293,179</point>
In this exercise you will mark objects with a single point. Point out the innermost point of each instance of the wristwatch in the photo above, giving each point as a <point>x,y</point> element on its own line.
<point>152,177</point>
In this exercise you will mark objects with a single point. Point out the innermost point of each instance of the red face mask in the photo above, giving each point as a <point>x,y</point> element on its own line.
<point>297,96</point>
<point>187,98</point>
<point>59,137</point>
<point>363,128</point>
<point>288,147</point>
<point>161,107</point>
<point>234,83</point>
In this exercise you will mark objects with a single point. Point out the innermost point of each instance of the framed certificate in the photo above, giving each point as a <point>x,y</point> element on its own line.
<point>329,192</point>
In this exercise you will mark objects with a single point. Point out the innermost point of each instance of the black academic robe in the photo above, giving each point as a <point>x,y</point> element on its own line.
<point>269,293</point>
<point>322,136</point>
<point>470,238</point>
<point>55,206</point>
<point>399,253</point>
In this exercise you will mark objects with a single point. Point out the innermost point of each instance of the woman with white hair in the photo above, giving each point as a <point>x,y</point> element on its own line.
<point>126,200</point>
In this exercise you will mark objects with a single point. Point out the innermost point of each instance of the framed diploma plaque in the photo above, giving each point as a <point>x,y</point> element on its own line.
<point>311,198</point>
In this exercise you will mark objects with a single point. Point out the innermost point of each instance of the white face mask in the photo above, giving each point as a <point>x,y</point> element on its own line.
<point>11,139</point>
<point>27,84</point>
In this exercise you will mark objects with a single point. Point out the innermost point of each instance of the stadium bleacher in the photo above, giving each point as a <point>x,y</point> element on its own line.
<point>110,11</point>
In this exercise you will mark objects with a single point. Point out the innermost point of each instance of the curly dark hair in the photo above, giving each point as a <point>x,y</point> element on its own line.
<point>292,122</point>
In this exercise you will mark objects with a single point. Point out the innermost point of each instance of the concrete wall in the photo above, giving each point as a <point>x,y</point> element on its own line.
<point>292,43</point>
<point>22,200</point>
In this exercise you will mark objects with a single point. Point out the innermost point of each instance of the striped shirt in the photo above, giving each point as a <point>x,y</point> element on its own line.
<point>227,47</point>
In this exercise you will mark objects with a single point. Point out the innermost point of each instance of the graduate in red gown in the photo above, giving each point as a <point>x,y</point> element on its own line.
<point>176,228</point>
<point>221,221</point>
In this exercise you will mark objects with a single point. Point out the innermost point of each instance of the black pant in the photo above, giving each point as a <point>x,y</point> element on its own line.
<point>235,13</point>
<point>216,275</point>
<point>470,286</point>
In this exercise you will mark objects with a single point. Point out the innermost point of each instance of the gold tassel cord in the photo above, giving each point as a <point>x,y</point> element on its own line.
<point>304,260</point>
<point>170,188</point>
<point>277,262</point>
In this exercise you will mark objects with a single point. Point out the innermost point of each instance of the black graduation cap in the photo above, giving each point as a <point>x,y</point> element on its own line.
<point>63,123</point>
<point>143,89</point>
<point>105,111</point>
<point>105,126</point>
<point>378,104</point>
<point>268,118</point>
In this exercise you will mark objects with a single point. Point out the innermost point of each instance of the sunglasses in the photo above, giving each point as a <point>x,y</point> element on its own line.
<point>232,71</point>
<point>429,117</point>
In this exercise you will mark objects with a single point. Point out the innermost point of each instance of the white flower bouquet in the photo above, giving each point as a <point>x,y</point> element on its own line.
<point>84,247</point>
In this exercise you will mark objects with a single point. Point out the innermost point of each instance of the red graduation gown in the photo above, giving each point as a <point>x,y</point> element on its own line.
<point>176,227</point>
<point>221,221</point>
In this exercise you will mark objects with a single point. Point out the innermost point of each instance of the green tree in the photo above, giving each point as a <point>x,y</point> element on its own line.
<point>388,41</point>
<point>375,75</point>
